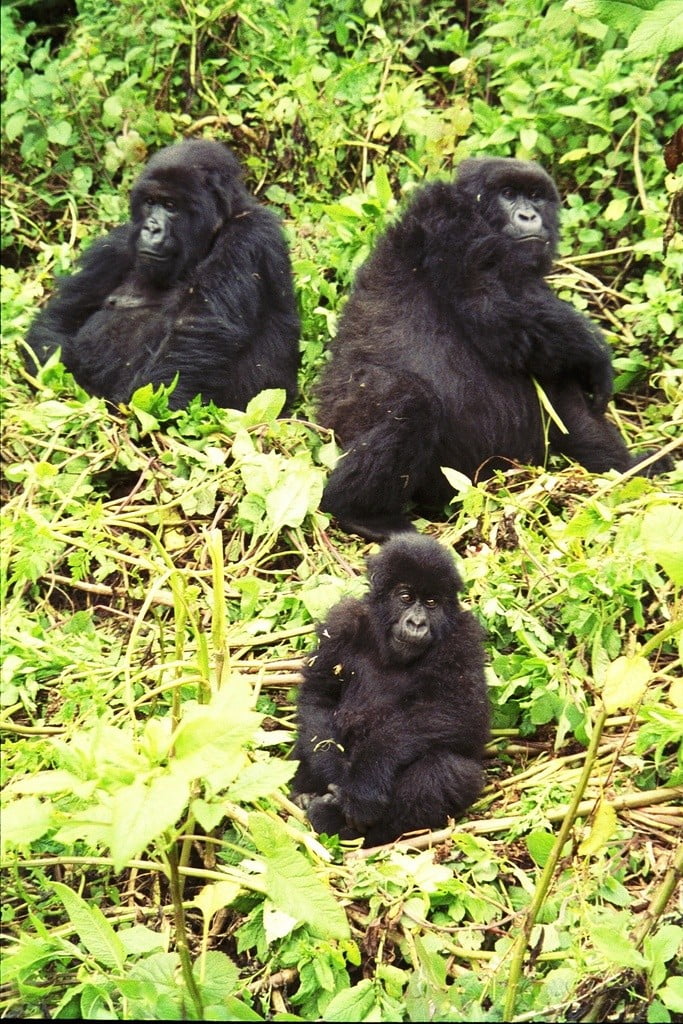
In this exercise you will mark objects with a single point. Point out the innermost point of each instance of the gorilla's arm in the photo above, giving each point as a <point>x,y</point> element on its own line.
<point>514,320</point>
<point>103,266</point>
<point>222,312</point>
<point>322,756</point>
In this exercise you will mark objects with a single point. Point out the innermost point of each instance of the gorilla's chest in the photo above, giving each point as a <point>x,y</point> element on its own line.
<point>371,694</point>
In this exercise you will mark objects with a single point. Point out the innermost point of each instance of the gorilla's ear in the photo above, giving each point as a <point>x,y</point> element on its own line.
<point>223,192</point>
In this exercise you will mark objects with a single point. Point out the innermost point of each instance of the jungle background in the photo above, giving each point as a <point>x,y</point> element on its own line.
<point>162,572</point>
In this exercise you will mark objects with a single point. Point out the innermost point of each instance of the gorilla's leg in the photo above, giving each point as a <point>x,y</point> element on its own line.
<point>430,790</point>
<point>383,466</point>
<point>326,815</point>
<point>592,440</point>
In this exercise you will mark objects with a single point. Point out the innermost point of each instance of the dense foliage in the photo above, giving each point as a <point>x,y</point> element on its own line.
<point>162,571</point>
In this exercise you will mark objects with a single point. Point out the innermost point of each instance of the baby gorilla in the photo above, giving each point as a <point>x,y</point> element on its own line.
<point>393,713</point>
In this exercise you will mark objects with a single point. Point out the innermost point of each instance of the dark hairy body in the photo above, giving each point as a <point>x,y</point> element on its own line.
<point>197,284</point>
<point>448,324</point>
<point>393,713</point>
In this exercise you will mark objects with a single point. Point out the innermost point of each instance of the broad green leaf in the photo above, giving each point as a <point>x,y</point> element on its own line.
<point>539,844</point>
<point>616,947</point>
<point>210,741</point>
<point>353,1003</point>
<point>154,982</point>
<point>93,929</point>
<point>139,940</point>
<point>660,32</point>
<point>25,820</point>
<point>216,974</point>
<point>602,829</point>
<point>142,812</point>
<point>260,779</point>
<point>15,125</point>
<point>296,492</point>
<point>265,407</point>
<point>215,896</point>
<point>209,814</point>
<point>626,680</point>
<point>292,884</point>
<point>666,943</point>
<point>59,132</point>
<point>237,1010</point>
<point>662,536</point>
<point>619,14</point>
<point>612,891</point>
<point>671,994</point>
<point>53,780</point>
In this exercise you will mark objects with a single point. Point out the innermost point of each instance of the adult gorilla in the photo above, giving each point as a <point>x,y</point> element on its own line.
<point>198,284</point>
<point>447,326</point>
<point>393,712</point>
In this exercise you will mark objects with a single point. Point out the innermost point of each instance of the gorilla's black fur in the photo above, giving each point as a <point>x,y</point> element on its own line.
<point>393,713</point>
<point>198,284</point>
<point>448,324</point>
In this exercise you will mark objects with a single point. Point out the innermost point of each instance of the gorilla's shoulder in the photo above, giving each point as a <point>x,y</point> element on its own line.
<point>344,622</point>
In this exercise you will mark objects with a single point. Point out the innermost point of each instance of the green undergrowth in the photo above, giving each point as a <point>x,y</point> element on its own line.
<point>162,572</point>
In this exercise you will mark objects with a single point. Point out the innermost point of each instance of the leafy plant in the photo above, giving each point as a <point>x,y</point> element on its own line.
<point>161,571</point>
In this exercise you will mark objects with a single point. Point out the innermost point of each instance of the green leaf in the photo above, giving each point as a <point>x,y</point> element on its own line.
<point>539,844</point>
<point>660,32</point>
<point>139,940</point>
<point>291,883</point>
<point>602,829</point>
<point>657,1013</point>
<point>666,943</point>
<point>25,820</point>
<point>626,680</point>
<point>353,1004</point>
<point>59,132</point>
<point>215,896</point>
<point>671,994</point>
<point>265,407</point>
<point>383,186</point>
<point>93,929</point>
<point>237,1010</point>
<point>261,778</point>
<point>217,975</point>
<point>662,536</point>
<point>14,125</point>
<point>210,741</point>
<point>622,15</point>
<point>296,492</point>
<point>142,812</point>
<point>614,945</point>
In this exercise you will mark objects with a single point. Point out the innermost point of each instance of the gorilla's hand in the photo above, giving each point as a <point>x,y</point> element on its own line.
<point>598,383</point>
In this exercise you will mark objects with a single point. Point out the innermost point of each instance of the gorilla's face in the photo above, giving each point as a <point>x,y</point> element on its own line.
<point>175,222</point>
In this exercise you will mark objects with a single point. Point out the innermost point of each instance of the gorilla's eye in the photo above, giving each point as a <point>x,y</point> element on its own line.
<point>508,192</point>
<point>430,602</point>
<point>405,596</point>
<point>169,204</point>
<point>535,194</point>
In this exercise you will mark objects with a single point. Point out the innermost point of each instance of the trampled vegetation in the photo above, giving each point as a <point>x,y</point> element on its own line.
<point>162,571</point>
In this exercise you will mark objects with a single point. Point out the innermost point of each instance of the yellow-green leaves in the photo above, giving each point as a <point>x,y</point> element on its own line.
<point>626,680</point>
